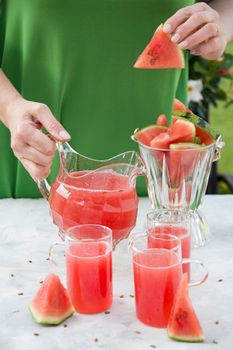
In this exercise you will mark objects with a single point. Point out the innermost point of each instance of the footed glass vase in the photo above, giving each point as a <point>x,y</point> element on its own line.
<point>178,177</point>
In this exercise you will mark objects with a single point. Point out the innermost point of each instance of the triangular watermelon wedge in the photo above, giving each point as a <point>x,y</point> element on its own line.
<point>51,304</point>
<point>183,324</point>
<point>161,52</point>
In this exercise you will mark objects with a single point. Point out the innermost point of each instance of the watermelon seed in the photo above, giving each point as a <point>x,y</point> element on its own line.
<point>138,332</point>
<point>47,259</point>
<point>215,341</point>
<point>122,296</point>
<point>36,334</point>
<point>41,282</point>
<point>96,339</point>
<point>107,312</point>
<point>153,346</point>
<point>220,280</point>
<point>20,293</point>
<point>30,261</point>
<point>131,296</point>
<point>12,275</point>
<point>216,322</point>
<point>65,325</point>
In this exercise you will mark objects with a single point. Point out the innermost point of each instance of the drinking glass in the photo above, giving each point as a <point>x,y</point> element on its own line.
<point>88,252</point>
<point>157,274</point>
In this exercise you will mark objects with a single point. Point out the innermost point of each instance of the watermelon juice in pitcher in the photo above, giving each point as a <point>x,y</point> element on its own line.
<point>94,192</point>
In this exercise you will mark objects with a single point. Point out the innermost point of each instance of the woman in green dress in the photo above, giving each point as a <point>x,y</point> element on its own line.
<point>73,60</point>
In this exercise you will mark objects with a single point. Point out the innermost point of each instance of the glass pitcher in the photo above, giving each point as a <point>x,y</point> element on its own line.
<point>89,191</point>
<point>177,178</point>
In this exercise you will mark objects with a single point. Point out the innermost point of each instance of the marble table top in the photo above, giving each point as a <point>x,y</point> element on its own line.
<point>26,231</point>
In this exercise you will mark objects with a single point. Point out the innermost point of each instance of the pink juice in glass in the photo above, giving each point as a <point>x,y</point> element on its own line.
<point>104,198</point>
<point>157,275</point>
<point>178,231</point>
<point>89,276</point>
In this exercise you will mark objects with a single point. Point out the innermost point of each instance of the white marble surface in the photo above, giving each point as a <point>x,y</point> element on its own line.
<point>26,231</point>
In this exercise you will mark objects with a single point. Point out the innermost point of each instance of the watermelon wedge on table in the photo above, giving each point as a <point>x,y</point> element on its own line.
<point>51,304</point>
<point>160,53</point>
<point>183,324</point>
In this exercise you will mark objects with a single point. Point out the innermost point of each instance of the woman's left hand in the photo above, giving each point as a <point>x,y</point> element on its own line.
<point>198,28</point>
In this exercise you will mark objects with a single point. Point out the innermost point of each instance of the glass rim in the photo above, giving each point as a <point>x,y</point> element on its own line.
<point>106,229</point>
<point>142,235</point>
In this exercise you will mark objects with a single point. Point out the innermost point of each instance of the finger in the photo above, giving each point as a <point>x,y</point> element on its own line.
<point>208,31</point>
<point>35,156</point>
<point>212,50</point>
<point>41,142</point>
<point>196,21</point>
<point>49,122</point>
<point>182,15</point>
<point>36,171</point>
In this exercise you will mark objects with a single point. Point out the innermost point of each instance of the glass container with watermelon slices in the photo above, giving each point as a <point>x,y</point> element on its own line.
<point>178,161</point>
<point>89,191</point>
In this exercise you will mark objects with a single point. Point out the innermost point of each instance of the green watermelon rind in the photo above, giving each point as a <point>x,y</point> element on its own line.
<point>186,339</point>
<point>48,320</point>
<point>197,121</point>
<point>185,145</point>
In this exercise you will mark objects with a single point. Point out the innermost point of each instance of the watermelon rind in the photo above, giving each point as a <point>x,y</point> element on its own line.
<point>185,145</point>
<point>199,122</point>
<point>186,339</point>
<point>52,321</point>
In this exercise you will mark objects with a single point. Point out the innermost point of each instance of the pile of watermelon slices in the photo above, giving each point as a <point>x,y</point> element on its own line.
<point>182,144</point>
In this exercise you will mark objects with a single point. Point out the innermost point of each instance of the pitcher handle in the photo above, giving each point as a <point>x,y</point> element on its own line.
<point>44,187</point>
<point>219,145</point>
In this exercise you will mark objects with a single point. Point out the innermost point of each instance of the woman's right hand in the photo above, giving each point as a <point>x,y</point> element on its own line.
<point>31,146</point>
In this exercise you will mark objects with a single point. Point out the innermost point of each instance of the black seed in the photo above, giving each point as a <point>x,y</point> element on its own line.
<point>41,282</point>
<point>30,261</point>
<point>47,258</point>
<point>36,334</point>
<point>20,293</point>
<point>138,332</point>
<point>153,346</point>
<point>12,275</point>
<point>122,296</point>
<point>215,341</point>
<point>107,312</point>
<point>65,325</point>
<point>220,280</point>
<point>95,340</point>
<point>131,296</point>
<point>216,322</point>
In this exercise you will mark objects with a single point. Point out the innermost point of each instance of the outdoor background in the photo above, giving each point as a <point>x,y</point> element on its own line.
<point>222,120</point>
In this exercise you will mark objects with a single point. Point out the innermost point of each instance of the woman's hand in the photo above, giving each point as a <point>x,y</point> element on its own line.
<point>198,28</point>
<point>33,148</point>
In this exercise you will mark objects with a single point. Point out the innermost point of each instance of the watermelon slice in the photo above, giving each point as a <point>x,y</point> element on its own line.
<point>183,324</point>
<point>161,52</point>
<point>51,304</point>
<point>147,134</point>
<point>179,106</point>
<point>182,161</point>
<point>162,120</point>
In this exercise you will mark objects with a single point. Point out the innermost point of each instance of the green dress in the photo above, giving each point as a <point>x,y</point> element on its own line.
<point>77,56</point>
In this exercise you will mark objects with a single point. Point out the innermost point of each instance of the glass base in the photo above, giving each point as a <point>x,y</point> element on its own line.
<point>200,230</point>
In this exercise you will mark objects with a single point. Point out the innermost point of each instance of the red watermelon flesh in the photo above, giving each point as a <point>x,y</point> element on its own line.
<point>183,324</point>
<point>179,106</point>
<point>205,138</point>
<point>183,158</point>
<point>147,134</point>
<point>162,120</point>
<point>51,304</point>
<point>161,52</point>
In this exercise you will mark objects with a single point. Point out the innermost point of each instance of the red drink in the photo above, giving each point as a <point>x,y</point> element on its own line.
<point>157,275</point>
<point>104,198</point>
<point>178,231</point>
<point>89,276</point>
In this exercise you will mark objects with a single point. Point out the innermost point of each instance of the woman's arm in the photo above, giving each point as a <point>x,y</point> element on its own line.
<point>203,29</point>
<point>25,119</point>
